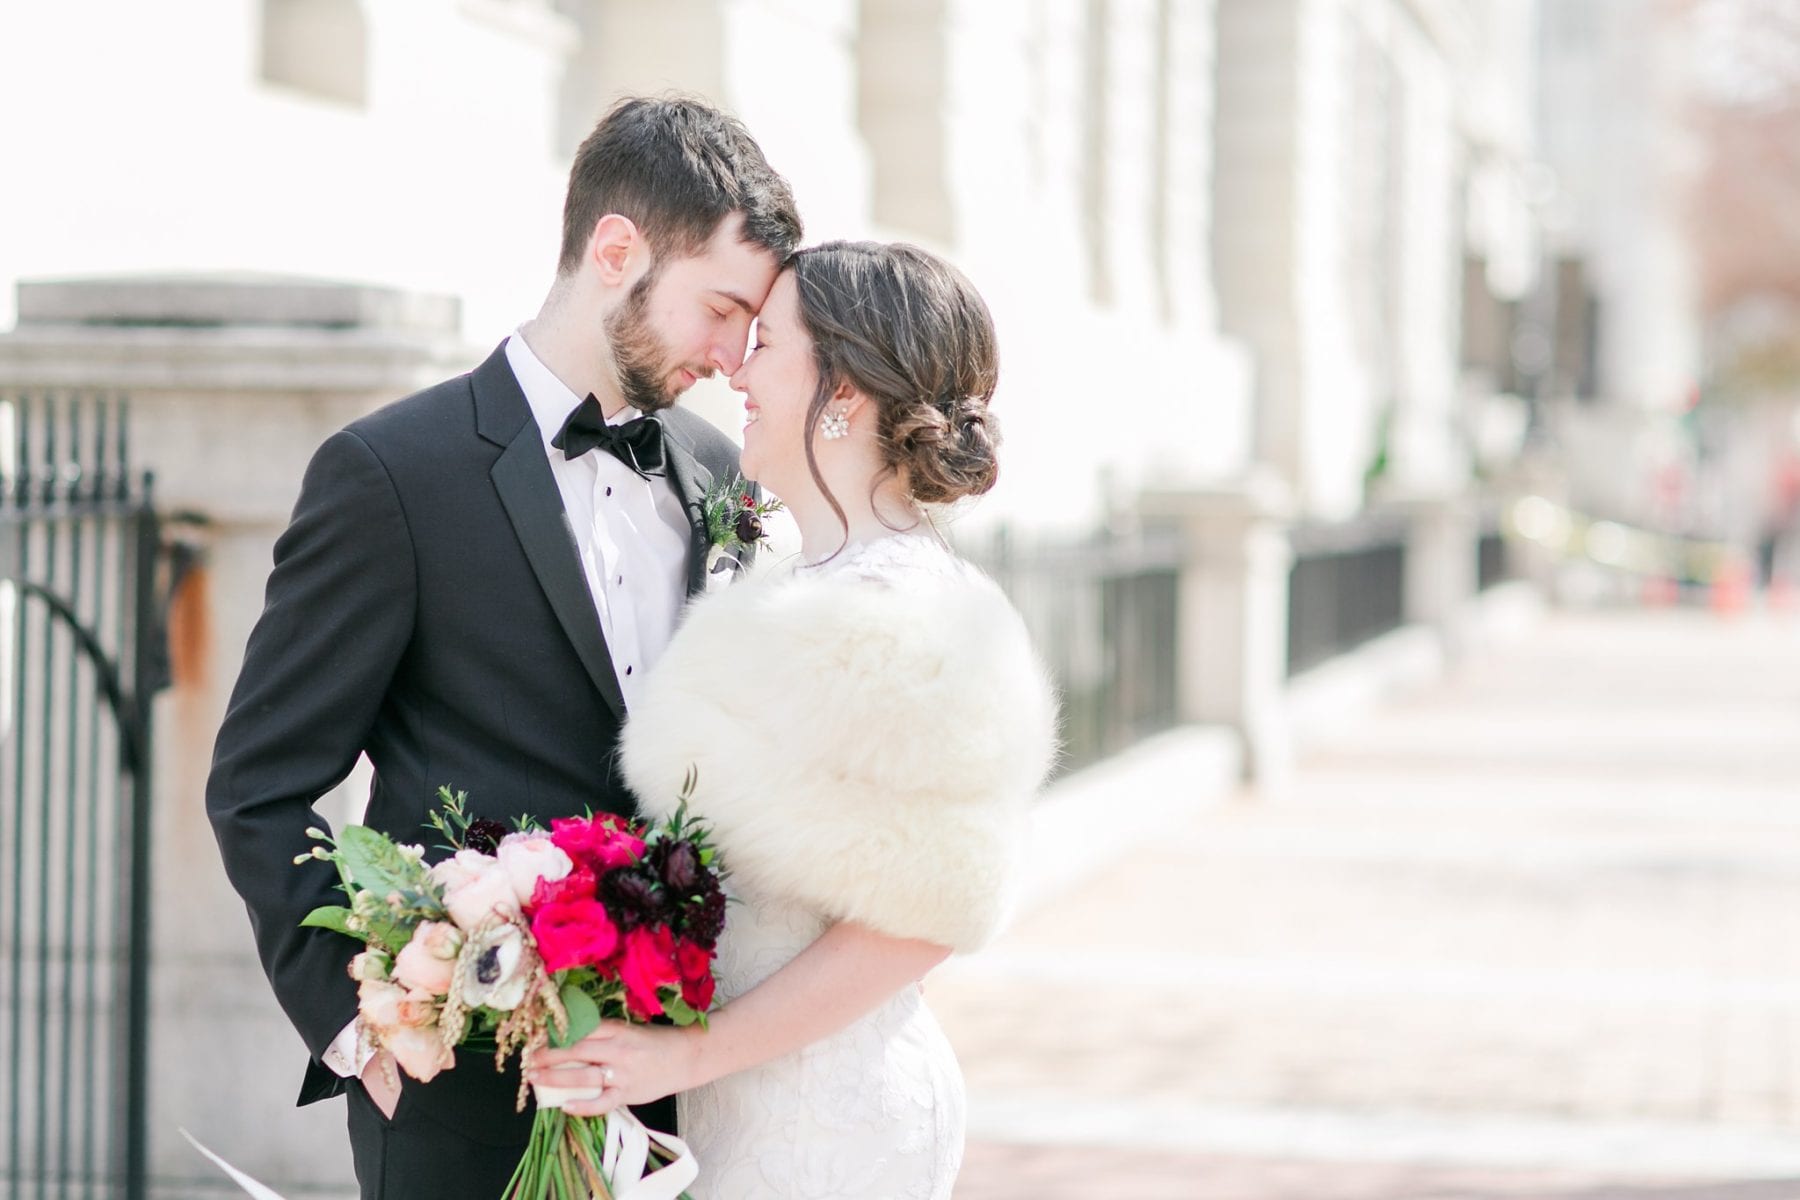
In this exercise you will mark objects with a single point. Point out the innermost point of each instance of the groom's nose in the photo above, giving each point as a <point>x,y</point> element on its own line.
<point>728,357</point>
<point>727,352</point>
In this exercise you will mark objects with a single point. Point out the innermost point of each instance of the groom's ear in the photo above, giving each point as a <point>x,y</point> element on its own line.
<point>616,239</point>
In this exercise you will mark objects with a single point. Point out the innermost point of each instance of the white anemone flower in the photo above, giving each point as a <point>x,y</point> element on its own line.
<point>492,968</point>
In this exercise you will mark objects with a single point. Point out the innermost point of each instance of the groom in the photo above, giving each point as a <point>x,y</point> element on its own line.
<point>475,581</point>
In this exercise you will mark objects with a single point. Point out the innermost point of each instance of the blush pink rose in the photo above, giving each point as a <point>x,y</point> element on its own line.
<point>428,962</point>
<point>530,857</point>
<point>418,1009</point>
<point>378,1002</point>
<point>476,889</point>
<point>420,1052</point>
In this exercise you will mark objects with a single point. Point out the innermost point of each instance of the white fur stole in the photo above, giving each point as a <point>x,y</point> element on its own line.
<point>865,748</point>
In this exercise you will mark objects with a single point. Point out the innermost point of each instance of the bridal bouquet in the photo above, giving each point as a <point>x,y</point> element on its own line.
<point>528,938</point>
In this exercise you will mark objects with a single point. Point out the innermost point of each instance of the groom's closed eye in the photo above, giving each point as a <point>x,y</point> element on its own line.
<point>734,299</point>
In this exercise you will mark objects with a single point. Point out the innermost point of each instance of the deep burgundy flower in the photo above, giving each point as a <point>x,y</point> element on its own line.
<point>635,898</point>
<point>677,864</point>
<point>483,835</point>
<point>702,923</point>
<point>749,527</point>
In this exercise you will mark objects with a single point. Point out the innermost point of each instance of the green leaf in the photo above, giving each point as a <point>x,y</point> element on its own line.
<point>677,1009</point>
<point>391,932</point>
<point>329,916</point>
<point>584,1016</point>
<point>374,863</point>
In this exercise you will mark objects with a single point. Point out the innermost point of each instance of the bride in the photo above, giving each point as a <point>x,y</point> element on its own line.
<point>868,727</point>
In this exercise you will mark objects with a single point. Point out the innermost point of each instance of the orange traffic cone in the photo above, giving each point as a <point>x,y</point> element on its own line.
<point>1731,588</point>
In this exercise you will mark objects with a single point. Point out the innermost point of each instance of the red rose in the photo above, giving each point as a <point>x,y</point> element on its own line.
<point>694,962</point>
<point>647,968</point>
<point>601,842</point>
<point>578,884</point>
<point>574,933</point>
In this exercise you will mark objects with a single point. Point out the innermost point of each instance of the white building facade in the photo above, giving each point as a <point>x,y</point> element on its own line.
<point>1223,241</point>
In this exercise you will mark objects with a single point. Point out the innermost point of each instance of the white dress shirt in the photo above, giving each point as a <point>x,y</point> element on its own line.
<point>633,537</point>
<point>632,532</point>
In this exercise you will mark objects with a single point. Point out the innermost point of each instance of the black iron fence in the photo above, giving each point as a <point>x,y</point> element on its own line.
<point>1102,612</point>
<point>1494,560</point>
<point>80,655</point>
<point>1347,586</point>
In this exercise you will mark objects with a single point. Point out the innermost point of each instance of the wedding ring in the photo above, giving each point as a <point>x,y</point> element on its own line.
<point>606,1076</point>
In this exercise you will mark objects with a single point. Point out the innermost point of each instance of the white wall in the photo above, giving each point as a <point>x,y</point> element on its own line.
<point>1611,87</point>
<point>141,138</point>
<point>450,178</point>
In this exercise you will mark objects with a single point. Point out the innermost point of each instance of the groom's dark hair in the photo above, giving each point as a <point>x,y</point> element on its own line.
<point>676,166</point>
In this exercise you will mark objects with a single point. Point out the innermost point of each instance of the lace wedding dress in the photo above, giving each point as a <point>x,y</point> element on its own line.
<point>874,1112</point>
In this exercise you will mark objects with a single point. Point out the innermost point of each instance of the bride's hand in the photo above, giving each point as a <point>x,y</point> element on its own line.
<point>631,1064</point>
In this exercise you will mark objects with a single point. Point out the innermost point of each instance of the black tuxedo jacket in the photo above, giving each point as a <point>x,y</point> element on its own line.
<point>427,608</point>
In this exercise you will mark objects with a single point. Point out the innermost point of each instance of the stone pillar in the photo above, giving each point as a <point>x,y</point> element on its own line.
<point>233,382</point>
<point>789,71</point>
<point>1233,605</point>
<point>1443,557</point>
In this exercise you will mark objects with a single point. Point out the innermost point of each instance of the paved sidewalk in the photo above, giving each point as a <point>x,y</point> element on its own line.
<point>1532,933</point>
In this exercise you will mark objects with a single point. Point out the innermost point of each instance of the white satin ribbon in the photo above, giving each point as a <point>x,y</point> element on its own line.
<point>627,1149</point>
<point>628,1153</point>
<point>258,1190</point>
<point>554,1096</point>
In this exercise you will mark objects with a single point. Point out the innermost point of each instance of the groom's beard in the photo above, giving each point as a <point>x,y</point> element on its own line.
<point>639,356</point>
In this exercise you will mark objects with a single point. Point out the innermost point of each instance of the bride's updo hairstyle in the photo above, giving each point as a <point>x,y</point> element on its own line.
<point>908,331</point>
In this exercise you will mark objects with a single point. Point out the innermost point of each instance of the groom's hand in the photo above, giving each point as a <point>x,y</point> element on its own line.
<point>381,1079</point>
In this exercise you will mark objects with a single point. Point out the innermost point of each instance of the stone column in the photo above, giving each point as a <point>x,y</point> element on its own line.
<point>233,382</point>
<point>1233,605</point>
<point>1443,556</point>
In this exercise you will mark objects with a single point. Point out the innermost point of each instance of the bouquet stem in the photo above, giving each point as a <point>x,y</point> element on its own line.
<point>562,1160</point>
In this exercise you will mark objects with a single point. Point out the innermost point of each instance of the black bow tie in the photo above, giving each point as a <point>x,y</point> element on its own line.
<point>638,444</point>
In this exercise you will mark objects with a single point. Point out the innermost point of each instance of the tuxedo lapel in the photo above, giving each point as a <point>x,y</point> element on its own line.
<point>533,504</point>
<point>690,479</point>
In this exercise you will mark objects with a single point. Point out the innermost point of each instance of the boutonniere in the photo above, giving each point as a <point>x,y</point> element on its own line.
<point>734,525</point>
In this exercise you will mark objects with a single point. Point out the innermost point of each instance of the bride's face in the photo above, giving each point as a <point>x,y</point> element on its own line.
<point>778,380</point>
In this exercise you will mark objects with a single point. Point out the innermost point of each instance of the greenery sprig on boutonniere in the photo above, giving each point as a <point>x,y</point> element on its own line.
<point>734,518</point>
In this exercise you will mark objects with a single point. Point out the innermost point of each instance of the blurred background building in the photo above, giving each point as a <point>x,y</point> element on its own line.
<point>1325,324</point>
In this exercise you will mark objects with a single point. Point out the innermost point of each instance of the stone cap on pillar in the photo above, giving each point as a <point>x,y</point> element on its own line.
<point>233,379</point>
<point>233,332</point>
<point>1259,495</point>
<point>234,298</point>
